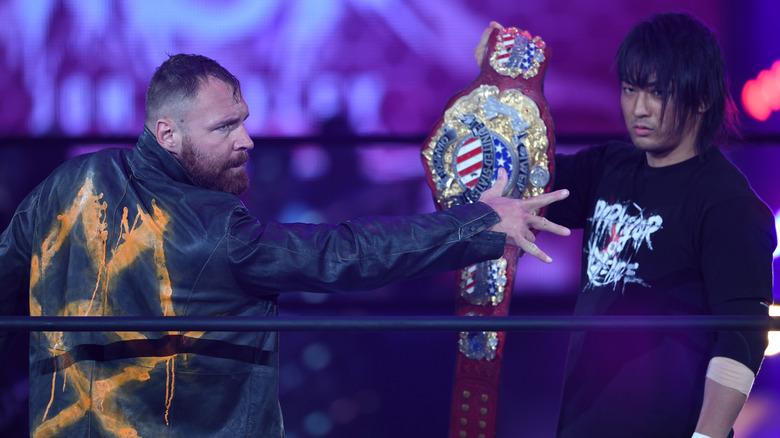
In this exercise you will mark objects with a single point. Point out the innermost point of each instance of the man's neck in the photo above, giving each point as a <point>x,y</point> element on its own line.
<point>669,158</point>
<point>684,150</point>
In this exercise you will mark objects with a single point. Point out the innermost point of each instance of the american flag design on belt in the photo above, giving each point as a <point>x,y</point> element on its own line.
<point>483,284</point>
<point>517,52</point>
<point>508,39</point>
<point>503,159</point>
<point>469,161</point>
<point>467,285</point>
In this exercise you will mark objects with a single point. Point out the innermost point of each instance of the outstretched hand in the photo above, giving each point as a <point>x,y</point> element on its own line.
<point>517,218</point>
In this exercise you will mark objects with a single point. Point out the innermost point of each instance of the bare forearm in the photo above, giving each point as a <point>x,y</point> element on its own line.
<point>719,410</point>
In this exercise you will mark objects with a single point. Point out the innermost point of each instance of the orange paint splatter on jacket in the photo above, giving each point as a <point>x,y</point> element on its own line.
<point>84,223</point>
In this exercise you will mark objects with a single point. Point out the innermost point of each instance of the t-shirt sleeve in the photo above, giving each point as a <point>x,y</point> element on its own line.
<point>738,238</point>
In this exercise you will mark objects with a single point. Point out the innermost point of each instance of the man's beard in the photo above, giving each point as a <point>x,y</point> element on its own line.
<point>225,177</point>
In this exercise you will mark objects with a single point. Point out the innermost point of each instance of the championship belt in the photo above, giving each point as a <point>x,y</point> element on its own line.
<point>500,120</point>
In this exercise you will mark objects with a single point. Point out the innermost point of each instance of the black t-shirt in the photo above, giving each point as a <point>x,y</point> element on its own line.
<point>687,239</point>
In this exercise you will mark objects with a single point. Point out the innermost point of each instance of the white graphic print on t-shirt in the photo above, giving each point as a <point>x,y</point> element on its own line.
<point>618,231</point>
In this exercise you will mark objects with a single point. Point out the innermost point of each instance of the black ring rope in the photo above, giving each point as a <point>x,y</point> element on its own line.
<point>384,323</point>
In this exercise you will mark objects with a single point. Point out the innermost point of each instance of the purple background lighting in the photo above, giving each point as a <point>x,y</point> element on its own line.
<point>341,93</point>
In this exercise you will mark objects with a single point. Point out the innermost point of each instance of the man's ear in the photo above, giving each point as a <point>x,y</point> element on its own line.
<point>169,136</point>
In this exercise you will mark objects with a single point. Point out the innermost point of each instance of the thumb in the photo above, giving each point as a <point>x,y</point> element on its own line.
<point>481,49</point>
<point>497,189</point>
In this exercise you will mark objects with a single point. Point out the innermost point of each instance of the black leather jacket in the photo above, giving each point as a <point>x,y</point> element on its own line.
<point>125,232</point>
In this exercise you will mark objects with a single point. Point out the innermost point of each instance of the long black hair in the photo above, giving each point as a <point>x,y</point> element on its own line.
<point>680,56</point>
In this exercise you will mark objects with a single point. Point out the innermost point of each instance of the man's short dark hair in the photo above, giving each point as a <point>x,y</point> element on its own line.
<point>684,58</point>
<point>177,81</point>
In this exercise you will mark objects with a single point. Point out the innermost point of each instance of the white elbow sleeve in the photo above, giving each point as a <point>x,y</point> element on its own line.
<point>731,373</point>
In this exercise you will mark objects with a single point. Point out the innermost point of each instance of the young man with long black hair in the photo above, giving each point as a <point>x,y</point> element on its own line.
<point>671,227</point>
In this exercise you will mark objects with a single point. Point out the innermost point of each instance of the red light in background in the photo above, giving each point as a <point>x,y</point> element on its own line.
<point>761,96</point>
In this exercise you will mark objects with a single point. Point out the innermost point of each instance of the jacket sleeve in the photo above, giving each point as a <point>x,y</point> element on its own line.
<point>361,254</point>
<point>15,254</point>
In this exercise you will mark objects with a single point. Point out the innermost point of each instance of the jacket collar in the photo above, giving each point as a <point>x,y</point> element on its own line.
<point>151,161</point>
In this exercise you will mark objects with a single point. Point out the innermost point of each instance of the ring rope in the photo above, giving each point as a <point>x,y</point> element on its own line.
<point>384,323</point>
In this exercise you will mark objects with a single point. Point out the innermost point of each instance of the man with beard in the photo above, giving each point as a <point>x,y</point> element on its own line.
<point>158,231</point>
